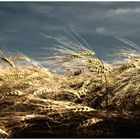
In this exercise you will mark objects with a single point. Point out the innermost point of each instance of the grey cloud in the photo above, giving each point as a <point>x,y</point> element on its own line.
<point>130,11</point>
<point>89,18</point>
<point>101,30</point>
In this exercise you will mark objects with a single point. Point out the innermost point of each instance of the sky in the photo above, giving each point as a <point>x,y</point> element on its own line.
<point>97,22</point>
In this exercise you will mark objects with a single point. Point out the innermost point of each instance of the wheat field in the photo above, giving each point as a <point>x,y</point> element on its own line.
<point>89,99</point>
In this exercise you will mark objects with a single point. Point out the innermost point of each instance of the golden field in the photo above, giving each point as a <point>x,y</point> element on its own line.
<point>90,98</point>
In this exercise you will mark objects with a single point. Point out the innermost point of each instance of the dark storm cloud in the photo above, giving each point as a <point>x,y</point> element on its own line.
<point>20,21</point>
<point>112,18</point>
<point>90,17</point>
